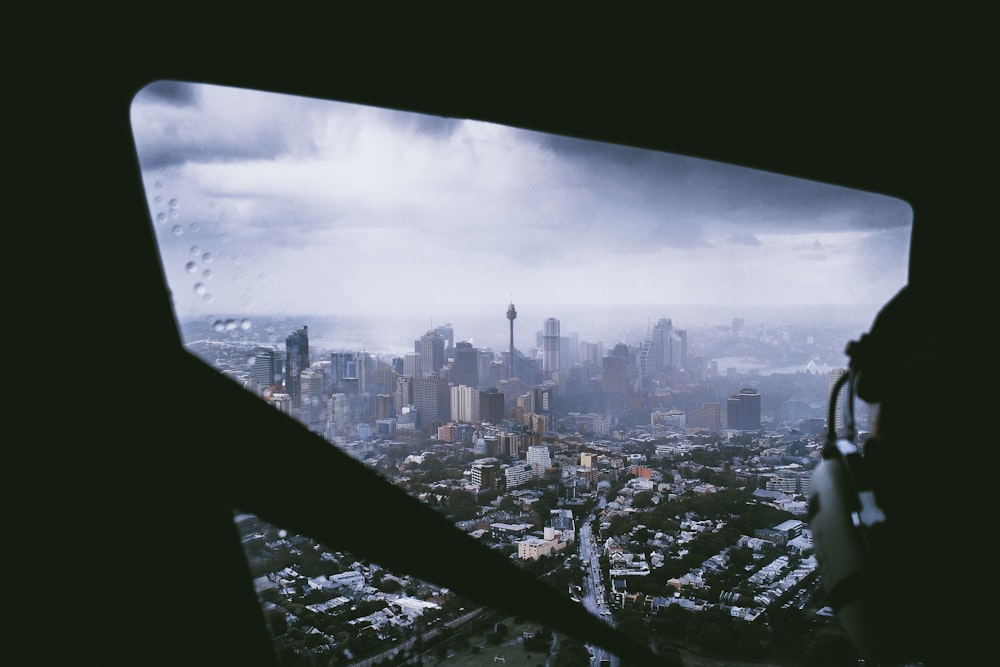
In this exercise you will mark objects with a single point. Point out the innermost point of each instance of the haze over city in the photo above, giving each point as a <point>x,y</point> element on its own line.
<point>266,204</point>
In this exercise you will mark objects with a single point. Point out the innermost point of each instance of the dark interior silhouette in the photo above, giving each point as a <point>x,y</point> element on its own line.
<point>142,451</point>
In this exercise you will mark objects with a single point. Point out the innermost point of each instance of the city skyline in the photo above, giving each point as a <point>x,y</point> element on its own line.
<point>269,204</point>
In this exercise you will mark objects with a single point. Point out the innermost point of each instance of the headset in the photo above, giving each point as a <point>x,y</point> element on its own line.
<point>851,531</point>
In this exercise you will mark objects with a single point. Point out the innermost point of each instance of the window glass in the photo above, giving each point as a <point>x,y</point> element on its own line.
<point>512,325</point>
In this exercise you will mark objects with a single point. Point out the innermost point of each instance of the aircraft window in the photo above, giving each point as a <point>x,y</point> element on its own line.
<point>423,264</point>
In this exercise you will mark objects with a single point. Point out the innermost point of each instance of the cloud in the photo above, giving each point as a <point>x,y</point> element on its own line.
<point>747,239</point>
<point>306,203</point>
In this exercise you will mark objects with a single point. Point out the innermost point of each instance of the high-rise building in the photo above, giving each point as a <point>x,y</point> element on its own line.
<point>840,412</point>
<point>343,367</point>
<point>660,347</point>
<point>540,459</point>
<point>366,372</point>
<point>340,413</point>
<point>569,351</point>
<point>708,417</point>
<point>743,410</point>
<point>485,474</point>
<point>447,332</point>
<point>312,401</point>
<point>678,349</point>
<point>403,396</point>
<point>432,401</point>
<point>411,364</point>
<point>550,346</point>
<point>267,370</point>
<point>296,361</point>
<point>491,406</point>
<point>511,315</point>
<point>615,374</point>
<point>431,351</point>
<point>465,404</point>
<point>465,369</point>
<point>385,407</point>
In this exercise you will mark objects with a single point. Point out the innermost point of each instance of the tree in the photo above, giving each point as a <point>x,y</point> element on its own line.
<point>572,653</point>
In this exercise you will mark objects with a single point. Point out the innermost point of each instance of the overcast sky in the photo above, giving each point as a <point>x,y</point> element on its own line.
<point>268,204</point>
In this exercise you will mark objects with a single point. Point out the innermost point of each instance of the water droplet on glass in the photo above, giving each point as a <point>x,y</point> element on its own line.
<point>207,274</point>
<point>207,257</point>
<point>193,226</point>
<point>157,199</point>
<point>177,230</point>
<point>173,203</point>
<point>195,250</point>
<point>161,217</point>
<point>245,324</point>
<point>175,213</point>
<point>207,297</point>
<point>218,325</point>
<point>282,533</point>
<point>158,184</point>
<point>190,267</point>
<point>200,289</point>
<point>224,238</point>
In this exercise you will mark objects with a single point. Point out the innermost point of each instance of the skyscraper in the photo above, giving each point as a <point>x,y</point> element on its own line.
<point>465,404</point>
<point>743,410</point>
<point>296,361</point>
<point>660,346</point>
<point>491,406</point>
<point>839,416</point>
<point>511,314</point>
<point>312,400</point>
<point>447,332</point>
<point>550,346</point>
<point>267,369</point>
<point>431,351</point>
<point>466,367</point>
<point>432,401</point>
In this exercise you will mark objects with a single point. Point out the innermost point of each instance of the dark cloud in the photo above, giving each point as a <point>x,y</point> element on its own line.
<point>438,127</point>
<point>167,140</point>
<point>744,239</point>
<point>174,93</point>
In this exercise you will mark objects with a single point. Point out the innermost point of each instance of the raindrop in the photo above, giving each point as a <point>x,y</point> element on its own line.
<point>175,213</point>
<point>224,238</point>
<point>230,325</point>
<point>207,297</point>
<point>200,289</point>
<point>245,324</point>
<point>195,250</point>
<point>218,325</point>
<point>173,203</point>
<point>161,217</point>
<point>282,533</point>
<point>191,267</point>
<point>193,226</point>
<point>177,230</point>
<point>158,184</point>
<point>251,360</point>
<point>207,274</point>
<point>157,199</point>
<point>207,257</point>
